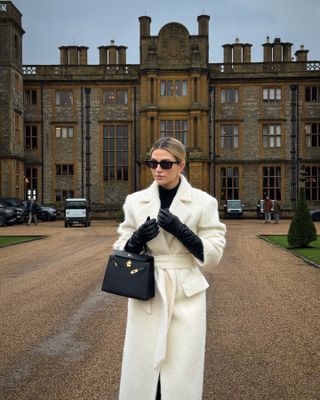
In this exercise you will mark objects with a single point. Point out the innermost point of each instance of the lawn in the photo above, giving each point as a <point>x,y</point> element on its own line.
<point>311,252</point>
<point>8,240</point>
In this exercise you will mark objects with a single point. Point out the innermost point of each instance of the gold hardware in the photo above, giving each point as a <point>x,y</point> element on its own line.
<point>115,263</point>
<point>129,263</point>
<point>134,271</point>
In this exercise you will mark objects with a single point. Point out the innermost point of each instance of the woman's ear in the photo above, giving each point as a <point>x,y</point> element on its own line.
<point>182,165</point>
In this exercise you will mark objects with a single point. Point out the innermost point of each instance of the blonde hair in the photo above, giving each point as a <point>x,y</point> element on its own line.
<point>172,145</point>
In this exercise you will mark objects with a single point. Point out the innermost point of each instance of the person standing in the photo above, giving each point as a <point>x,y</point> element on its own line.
<point>179,226</point>
<point>32,209</point>
<point>276,211</point>
<point>267,207</point>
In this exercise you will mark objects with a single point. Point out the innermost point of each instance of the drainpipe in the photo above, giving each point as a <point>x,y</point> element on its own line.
<point>82,144</point>
<point>42,146</point>
<point>88,145</point>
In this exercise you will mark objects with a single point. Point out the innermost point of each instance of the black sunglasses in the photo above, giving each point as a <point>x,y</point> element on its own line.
<point>164,164</point>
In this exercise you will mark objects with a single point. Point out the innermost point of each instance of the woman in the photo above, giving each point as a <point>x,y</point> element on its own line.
<point>179,226</point>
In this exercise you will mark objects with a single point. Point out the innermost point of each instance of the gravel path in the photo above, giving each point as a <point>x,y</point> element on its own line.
<point>61,337</point>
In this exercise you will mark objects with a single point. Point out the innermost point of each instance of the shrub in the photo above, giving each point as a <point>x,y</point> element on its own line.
<point>302,230</point>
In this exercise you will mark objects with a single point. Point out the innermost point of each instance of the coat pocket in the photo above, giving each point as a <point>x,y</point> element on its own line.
<point>195,286</point>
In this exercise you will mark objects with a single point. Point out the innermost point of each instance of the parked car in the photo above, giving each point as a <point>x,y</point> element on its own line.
<point>7,215</point>
<point>77,211</point>
<point>233,209</point>
<point>315,214</point>
<point>17,204</point>
<point>45,213</point>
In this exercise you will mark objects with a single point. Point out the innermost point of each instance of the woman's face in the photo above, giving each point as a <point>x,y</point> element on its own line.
<point>167,178</point>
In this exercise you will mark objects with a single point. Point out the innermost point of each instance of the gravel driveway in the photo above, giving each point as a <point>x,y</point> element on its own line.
<point>61,337</point>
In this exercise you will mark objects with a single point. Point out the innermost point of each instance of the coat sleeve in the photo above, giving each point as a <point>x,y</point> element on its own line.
<point>127,227</point>
<point>212,233</point>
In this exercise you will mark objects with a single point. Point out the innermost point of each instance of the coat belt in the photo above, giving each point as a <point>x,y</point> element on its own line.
<point>166,284</point>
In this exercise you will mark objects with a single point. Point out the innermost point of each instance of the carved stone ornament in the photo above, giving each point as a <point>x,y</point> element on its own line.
<point>174,41</point>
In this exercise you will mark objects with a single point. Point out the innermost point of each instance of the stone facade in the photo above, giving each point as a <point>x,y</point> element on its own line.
<point>88,128</point>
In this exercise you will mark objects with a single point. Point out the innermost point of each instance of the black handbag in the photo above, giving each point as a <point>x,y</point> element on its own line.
<point>130,275</point>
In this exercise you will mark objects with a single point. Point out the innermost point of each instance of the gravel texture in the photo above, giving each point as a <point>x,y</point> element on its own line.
<point>61,338</point>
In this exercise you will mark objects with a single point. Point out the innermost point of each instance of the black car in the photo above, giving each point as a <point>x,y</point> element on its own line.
<point>7,215</point>
<point>315,214</point>
<point>17,204</point>
<point>44,213</point>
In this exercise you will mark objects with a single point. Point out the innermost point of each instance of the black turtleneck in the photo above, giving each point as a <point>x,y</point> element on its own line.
<point>167,195</point>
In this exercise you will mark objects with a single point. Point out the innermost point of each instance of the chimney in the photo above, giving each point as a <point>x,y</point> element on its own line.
<point>203,25</point>
<point>63,55</point>
<point>122,57</point>
<point>237,51</point>
<point>73,55</point>
<point>302,54</point>
<point>227,53</point>
<point>83,55</point>
<point>247,52</point>
<point>277,50</point>
<point>103,55</point>
<point>267,51</point>
<point>145,23</point>
<point>287,51</point>
<point>112,53</point>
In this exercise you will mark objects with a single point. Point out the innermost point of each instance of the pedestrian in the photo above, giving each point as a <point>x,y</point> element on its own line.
<point>276,211</point>
<point>32,209</point>
<point>267,207</point>
<point>179,225</point>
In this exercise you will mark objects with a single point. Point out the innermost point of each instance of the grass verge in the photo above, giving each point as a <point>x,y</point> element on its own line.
<point>10,240</point>
<point>309,253</point>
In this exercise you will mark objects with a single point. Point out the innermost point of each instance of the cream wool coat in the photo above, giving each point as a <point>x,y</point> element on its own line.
<point>166,335</point>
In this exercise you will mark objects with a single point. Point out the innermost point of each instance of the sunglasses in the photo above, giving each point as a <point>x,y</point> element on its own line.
<point>164,164</point>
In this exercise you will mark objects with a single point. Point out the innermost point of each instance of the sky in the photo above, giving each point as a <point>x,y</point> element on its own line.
<point>50,24</point>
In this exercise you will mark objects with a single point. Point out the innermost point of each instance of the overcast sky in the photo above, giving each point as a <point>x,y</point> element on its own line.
<point>93,23</point>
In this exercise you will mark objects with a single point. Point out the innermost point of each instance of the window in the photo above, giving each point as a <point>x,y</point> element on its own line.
<point>175,128</point>
<point>115,153</point>
<point>64,169</point>
<point>271,94</point>
<point>271,135</point>
<point>312,131</point>
<point>115,96</point>
<point>64,97</point>
<point>62,195</point>
<point>229,136</point>
<point>17,83</point>
<point>229,95</point>
<point>31,178</point>
<point>229,177</point>
<point>30,97</point>
<point>312,183</point>
<point>31,137</point>
<point>312,93</point>
<point>173,87</point>
<point>64,132</point>
<point>271,182</point>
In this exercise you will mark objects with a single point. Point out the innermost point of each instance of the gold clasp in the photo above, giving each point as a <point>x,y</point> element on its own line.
<point>129,264</point>
<point>134,271</point>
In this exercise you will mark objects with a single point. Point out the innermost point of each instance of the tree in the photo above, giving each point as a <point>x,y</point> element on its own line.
<point>302,230</point>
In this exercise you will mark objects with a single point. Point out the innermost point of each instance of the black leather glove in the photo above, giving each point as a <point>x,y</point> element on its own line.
<point>172,224</point>
<point>146,232</point>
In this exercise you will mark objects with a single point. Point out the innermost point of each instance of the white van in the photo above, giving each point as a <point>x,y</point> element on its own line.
<point>77,211</point>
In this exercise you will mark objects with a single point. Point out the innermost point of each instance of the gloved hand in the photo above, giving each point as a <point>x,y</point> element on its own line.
<point>146,232</point>
<point>172,224</point>
<point>168,221</point>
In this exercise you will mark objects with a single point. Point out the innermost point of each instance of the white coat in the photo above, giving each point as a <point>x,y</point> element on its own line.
<point>166,335</point>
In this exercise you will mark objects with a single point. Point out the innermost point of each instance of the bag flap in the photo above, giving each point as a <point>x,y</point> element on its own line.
<point>132,256</point>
